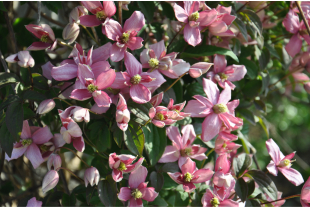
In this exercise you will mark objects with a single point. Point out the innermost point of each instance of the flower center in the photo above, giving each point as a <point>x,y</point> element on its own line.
<point>27,142</point>
<point>125,37</point>
<point>136,194</point>
<point>194,16</point>
<point>44,148</point>
<point>92,88</point>
<point>114,91</point>
<point>44,38</point>
<point>153,62</point>
<point>135,79</point>
<point>186,152</point>
<point>188,177</point>
<point>223,76</point>
<point>220,108</point>
<point>224,145</point>
<point>100,15</point>
<point>160,116</point>
<point>122,166</point>
<point>215,202</point>
<point>286,163</point>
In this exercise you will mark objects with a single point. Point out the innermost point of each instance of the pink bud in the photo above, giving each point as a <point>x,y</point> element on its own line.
<point>157,99</point>
<point>307,87</point>
<point>33,202</point>
<point>54,162</point>
<point>71,32</point>
<point>50,180</point>
<point>79,114</point>
<point>23,58</point>
<point>91,176</point>
<point>46,106</point>
<point>125,5</point>
<point>122,114</point>
<point>76,13</point>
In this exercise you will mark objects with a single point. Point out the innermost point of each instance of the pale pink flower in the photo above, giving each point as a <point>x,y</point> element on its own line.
<point>182,147</point>
<point>190,175</point>
<point>222,74</point>
<point>125,37</point>
<point>46,106</point>
<point>77,113</point>
<point>199,69</point>
<point>177,108</point>
<point>161,116</point>
<point>212,199</point>
<point>50,180</point>
<point>215,108</point>
<point>71,132</point>
<point>71,32</point>
<point>277,203</point>
<point>53,162</point>
<point>91,176</point>
<point>122,114</point>
<point>33,202</point>
<point>282,163</point>
<point>137,189</point>
<point>46,35</point>
<point>155,58</point>
<point>224,144</point>
<point>101,13</point>
<point>23,58</point>
<point>76,13</point>
<point>32,144</point>
<point>194,20</point>
<point>122,164</point>
<point>305,194</point>
<point>157,99</point>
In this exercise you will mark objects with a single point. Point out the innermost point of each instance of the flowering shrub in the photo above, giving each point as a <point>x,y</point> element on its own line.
<point>153,99</point>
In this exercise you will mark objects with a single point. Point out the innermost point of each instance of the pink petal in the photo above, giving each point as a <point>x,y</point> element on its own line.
<point>117,176</point>
<point>152,112</point>
<point>229,203</point>
<point>120,79</point>
<point>132,65</point>
<point>218,27</point>
<point>64,72</point>
<point>135,202</point>
<point>36,46</point>
<point>113,29</point>
<point>211,90</point>
<point>92,6</point>
<point>171,154</point>
<point>124,194</point>
<point>26,132</point>
<point>90,21</point>
<point>291,22</point>
<point>17,152</point>
<point>117,53</point>
<point>175,176</point>
<point>225,95</point>
<point>85,72</point>
<point>42,135</point>
<point>149,194</point>
<point>33,202</point>
<point>159,80</point>
<point>99,67</point>
<point>80,94</point>
<point>174,135</point>
<point>102,98</point>
<point>239,72</point>
<point>207,17</point>
<point>105,79</point>
<point>134,43</point>
<point>140,94</point>
<point>159,124</point>
<point>192,35</point>
<point>34,155</point>
<point>203,175</point>
<point>99,110</point>
<point>219,63</point>
<point>290,156</point>
<point>292,175</point>
<point>135,22</point>
<point>188,167</point>
<point>191,7</point>
<point>74,129</point>
<point>222,164</point>
<point>228,19</point>
<point>210,127</point>
<point>47,70</point>
<point>79,144</point>
<point>180,13</point>
<point>272,168</point>
<point>274,151</point>
<point>136,177</point>
<point>188,187</point>
<point>158,48</point>
<point>109,8</point>
<point>102,53</point>
<point>196,109</point>
<point>294,45</point>
<point>189,135</point>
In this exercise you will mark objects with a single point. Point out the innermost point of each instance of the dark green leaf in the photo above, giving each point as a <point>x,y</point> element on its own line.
<point>251,187</point>
<point>272,51</point>
<point>252,203</point>
<point>33,95</point>
<point>194,89</point>
<point>89,193</point>
<point>6,140</point>
<point>107,192</point>
<point>141,111</point>
<point>53,5</point>
<point>39,81</point>
<point>264,182</point>
<point>8,101</point>
<point>8,78</point>
<point>260,105</point>
<point>263,57</point>
<point>100,135</point>
<point>170,167</point>
<point>248,115</point>
<point>252,88</point>
<point>254,20</point>
<point>157,180</point>
<point>159,202</point>
<point>251,67</point>
<point>181,199</point>
<point>117,135</point>
<point>241,189</point>
<point>2,7</point>
<point>14,119</point>
<point>242,28</point>
<point>68,201</point>
<point>157,30</point>
<point>168,10</point>
<point>28,113</point>
<point>148,9</point>
<point>134,139</point>
<point>241,164</point>
<point>155,143</point>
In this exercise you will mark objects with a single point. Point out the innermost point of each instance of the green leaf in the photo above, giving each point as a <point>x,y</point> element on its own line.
<point>241,189</point>
<point>251,187</point>
<point>207,50</point>
<point>148,9</point>
<point>241,164</point>
<point>157,30</point>
<point>242,28</point>
<point>39,81</point>
<point>264,182</point>
<point>6,140</point>
<point>248,115</point>
<point>14,119</point>
<point>252,203</point>
<point>8,78</point>
<point>134,139</point>
<point>8,101</point>
<point>263,125</point>
<point>107,192</point>
<point>252,89</point>
<point>159,202</point>
<point>254,20</point>
<point>260,105</point>
<point>33,95</point>
<point>141,111</point>
<point>181,199</point>
<point>89,193</point>
<point>194,89</point>
<point>2,7</point>
<point>170,167</point>
<point>251,67</point>
<point>117,135</point>
<point>272,51</point>
<point>28,113</point>
<point>155,143</point>
<point>53,5</point>
<point>100,135</point>
<point>263,57</point>
<point>168,10</point>
<point>68,200</point>
<point>102,166</point>
<point>157,180</point>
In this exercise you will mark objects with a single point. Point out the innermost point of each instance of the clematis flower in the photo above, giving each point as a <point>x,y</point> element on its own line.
<point>194,20</point>
<point>305,194</point>
<point>91,176</point>
<point>77,113</point>
<point>31,144</point>
<point>140,83</point>
<point>155,58</point>
<point>71,132</point>
<point>46,106</point>
<point>157,99</point>
<point>33,202</point>
<point>161,116</point>
<point>122,114</point>
<point>23,58</point>
<point>46,35</point>
<point>182,147</point>
<point>177,108</point>
<point>212,199</point>
<point>199,69</point>
<point>298,29</point>
<point>224,144</point>
<point>125,37</point>
<point>137,189</point>
<point>122,164</point>
<point>222,74</point>
<point>190,175</point>
<point>76,13</point>
<point>92,85</point>
<point>277,203</point>
<point>53,162</point>
<point>216,108</point>
<point>101,13</point>
<point>282,163</point>
<point>50,180</point>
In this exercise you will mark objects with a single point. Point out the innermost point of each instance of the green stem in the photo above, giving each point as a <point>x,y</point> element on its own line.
<point>288,74</point>
<point>288,197</point>
<point>175,82</point>
<point>64,44</point>
<point>62,100</point>
<point>90,35</point>
<point>175,36</point>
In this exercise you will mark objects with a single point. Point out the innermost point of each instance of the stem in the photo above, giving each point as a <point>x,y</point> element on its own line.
<point>175,36</point>
<point>288,74</point>
<point>256,162</point>
<point>242,7</point>
<point>210,152</point>
<point>288,197</point>
<point>281,10</point>
<point>75,155</point>
<point>120,20</point>
<point>72,173</point>
<point>65,88</point>
<point>90,35</point>
<point>203,162</point>
<point>62,100</point>
<point>95,34</point>
<point>31,78</point>
<point>64,44</point>
<point>175,82</point>
<point>303,16</point>
<point>63,180</point>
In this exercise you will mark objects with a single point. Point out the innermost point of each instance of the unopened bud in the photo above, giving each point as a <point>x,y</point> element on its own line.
<point>91,176</point>
<point>50,180</point>
<point>71,32</point>
<point>76,13</point>
<point>54,162</point>
<point>46,106</point>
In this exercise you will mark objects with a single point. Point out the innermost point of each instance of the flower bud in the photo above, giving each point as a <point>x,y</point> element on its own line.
<point>54,162</point>
<point>46,106</point>
<point>50,180</point>
<point>125,5</point>
<point>71,32</point>
<point>199,68</point>
<point>76,13</point>
<point>33,202</point>
<point>91,176</point>
<point>79,114</point>
<point>23,58</point>
<point>223,180</point>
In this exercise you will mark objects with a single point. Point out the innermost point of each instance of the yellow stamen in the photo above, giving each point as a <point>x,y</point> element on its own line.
<point>220,108</point>
<point>135,79</point>
<point>136,194</point>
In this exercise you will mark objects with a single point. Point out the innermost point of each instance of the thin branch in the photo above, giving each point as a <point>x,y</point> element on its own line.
<point>175,36</point>
<point>265,6</point>
<point>242,7</point>
<point>288,197</point>
<point>6,69</point>
<point>64,182</point>
<point>175,82</point>
<point>95,34</point>
<point>75,155</point>
<point>303,16</point>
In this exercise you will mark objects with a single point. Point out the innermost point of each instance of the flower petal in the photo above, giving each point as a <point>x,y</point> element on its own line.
<point>42,135</point>
<point>34,155</point>
<point>171,154</point>
<point>132,65</point>
<point>149,194</point>
<point>140,94</point>
<point>292,175</point>
<point>210,127</point>
<point>138,176</point>
<point>211,90</point>
<point>135,22</point>
<point>192,35</point>
<point>124,194</point>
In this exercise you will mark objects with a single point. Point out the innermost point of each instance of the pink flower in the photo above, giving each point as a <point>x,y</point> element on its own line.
<point>76,13</point>
<point>177,108</point>
<point>33,202</point>
<point>122,164</point>
<point>102,13</point>
<point>282,163</point>
<point>137,189</point>
<point>215,108</point>
<point>194,20</point>
<point>277,203</point>
<point>140,83</point>
<point>32,144</point>
<point>46,106</point>
<point>157,99</point>
<point>91,176</point>
<point>23,58</point>
<point>45,34</point>
<point>199,69</point>
<point>305,194</point>
<point>190,175</point>
<point>161,116</point>
<point>212,199</point>
<point>78,114</point>
<point>156,58</point>
<point>124,37</point>
<point>298,29</point>
<point>53,162</point>
<point>224,144</point>
<point>92,85</point>
<point>182,147</point>
<point>50,180</point>
<point>71,132</point>
<point>122,114</point>
<point>222,74</point>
